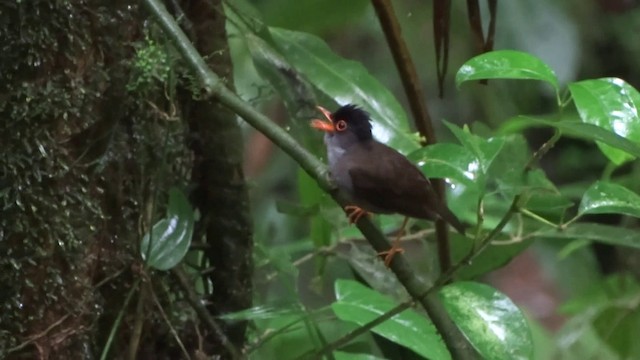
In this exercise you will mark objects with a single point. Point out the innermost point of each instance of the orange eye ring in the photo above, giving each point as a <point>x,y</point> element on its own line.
<point>341,125</point>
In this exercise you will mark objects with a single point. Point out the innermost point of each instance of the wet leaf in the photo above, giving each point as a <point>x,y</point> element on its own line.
<point>359,304</point>
<point>446,160</point>
<point>170,237</point>
<point>495,256</point>
<point>611,104</point>
<point>491,321</point>
<point>606,234</point>
<point>506,64</point>
<point>485,150</point>
<point>576,129</point>
<point>608,198</point>
<point>347,81</point>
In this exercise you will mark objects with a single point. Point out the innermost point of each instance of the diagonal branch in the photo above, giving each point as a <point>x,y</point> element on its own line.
<point>417,103</point>
<point>214,87</point>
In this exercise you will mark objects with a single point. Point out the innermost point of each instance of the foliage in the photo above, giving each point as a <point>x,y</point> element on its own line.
<point>547,163</point>
<point>488,171</point>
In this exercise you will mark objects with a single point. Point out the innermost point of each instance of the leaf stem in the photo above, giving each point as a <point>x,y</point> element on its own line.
<point>539,218</point>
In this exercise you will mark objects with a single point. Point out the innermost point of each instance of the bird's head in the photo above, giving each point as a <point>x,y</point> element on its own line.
<point>349,121</point>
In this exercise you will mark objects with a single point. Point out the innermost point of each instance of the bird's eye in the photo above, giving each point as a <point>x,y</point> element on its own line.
<point>341,125</point>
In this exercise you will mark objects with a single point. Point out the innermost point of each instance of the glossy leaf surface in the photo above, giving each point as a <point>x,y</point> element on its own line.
<point>494,325</point>
<point>506,64</point>
<point>347,82</point>
<point>485,150</point>
<point>611,104</point>
<point>608,198</point>
<point>446,160</point>
<point>359,304</point>
<point>170,237</point>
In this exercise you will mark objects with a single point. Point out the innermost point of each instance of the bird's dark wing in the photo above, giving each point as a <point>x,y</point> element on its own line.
<point>390,182</point>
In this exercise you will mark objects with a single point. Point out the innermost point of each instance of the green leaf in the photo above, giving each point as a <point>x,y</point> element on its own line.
<point>347,81</point>
<point>606,234</point>
<point>290,85</point>
<point>341,355</point>
<point>507,167</point>
<point>359,304</point>
<point>446,160</point>
<point>495,256</point>
<point>611,104</point>
<point>608,198</point>
<point>170,237</point>
<point>576,129</point>
<point>491,321</point>
<point>485,150</point>
<point>506,64</point>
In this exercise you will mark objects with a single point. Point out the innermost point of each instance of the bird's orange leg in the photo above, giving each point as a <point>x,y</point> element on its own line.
<point>395,245</point>
<point>354,213</point>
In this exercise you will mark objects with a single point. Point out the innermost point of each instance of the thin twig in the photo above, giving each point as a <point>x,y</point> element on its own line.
<point>166,320</point>
<point>39,335</point>
<point>203,313</point>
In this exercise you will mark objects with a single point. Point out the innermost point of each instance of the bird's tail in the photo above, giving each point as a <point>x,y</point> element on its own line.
<point>450,218</point>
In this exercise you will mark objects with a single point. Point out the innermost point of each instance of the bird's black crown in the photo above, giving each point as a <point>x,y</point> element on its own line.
<point>358,120</point>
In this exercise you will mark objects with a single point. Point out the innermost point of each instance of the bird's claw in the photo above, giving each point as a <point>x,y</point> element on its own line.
<point>354,213</point>
<point>389,254</point>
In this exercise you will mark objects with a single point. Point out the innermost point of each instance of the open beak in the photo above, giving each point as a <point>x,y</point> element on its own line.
<point>322,125</point>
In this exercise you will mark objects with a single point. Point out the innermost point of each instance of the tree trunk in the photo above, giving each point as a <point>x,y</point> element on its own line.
<point>221,194</point>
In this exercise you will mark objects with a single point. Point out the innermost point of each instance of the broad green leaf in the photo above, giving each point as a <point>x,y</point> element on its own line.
<point>608,198</point>
<point>507,169</point>
<point>170,237</point>
<point>606,234</point>
<point>447,160</point>
<point>576,129</point>
<point>485,150</point>
<point>294,90</point>
<point>611,104</point>
<point>494,257</point>
<point>359,304</point>
<point>506,64</point>
<point>491,321</point>
<point>341,355</point>
<point>347,81</point>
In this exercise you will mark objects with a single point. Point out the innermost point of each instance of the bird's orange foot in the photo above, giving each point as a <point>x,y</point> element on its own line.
<point>395,245</point>
<point>354,213</point>
<point>389,254</point>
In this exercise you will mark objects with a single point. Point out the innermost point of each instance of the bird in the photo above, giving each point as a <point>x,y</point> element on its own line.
<point>375,177</point>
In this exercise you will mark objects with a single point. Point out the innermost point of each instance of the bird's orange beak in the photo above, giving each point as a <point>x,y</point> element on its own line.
<point>322,125</point>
